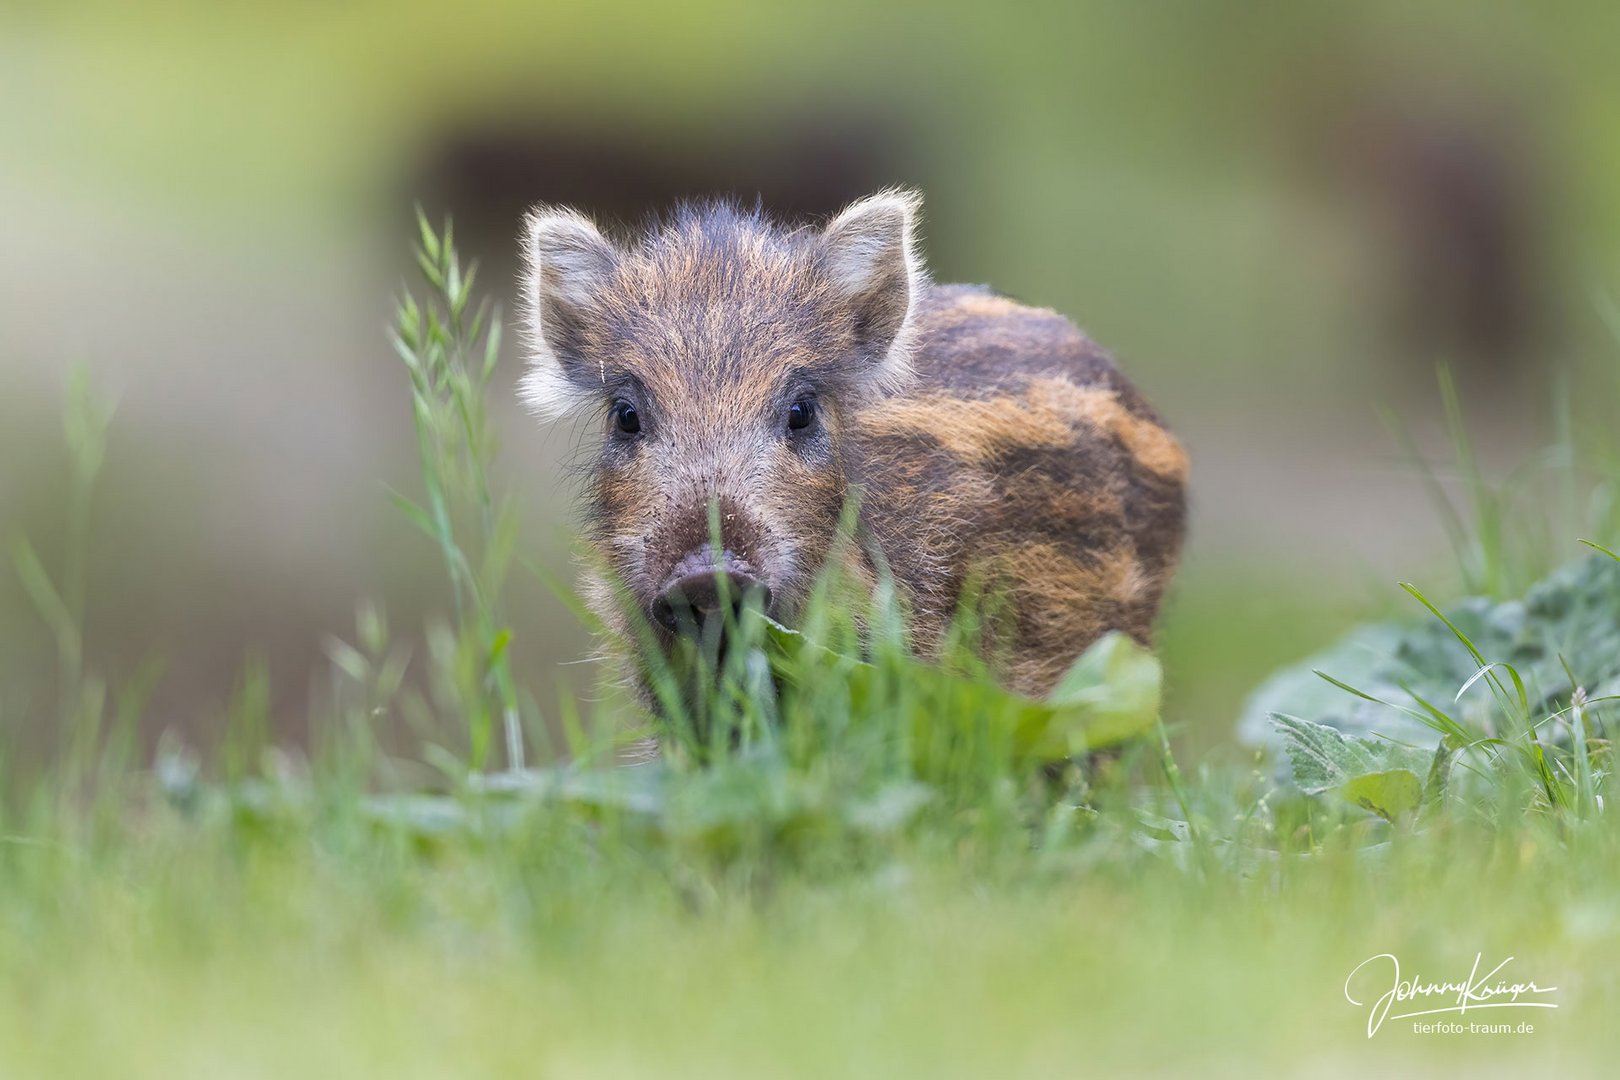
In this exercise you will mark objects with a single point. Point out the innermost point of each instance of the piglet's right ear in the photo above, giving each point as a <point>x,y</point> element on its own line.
<point>567,264</point>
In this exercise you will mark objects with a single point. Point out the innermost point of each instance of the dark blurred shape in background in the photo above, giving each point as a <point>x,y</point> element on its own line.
<point>1451,188</point>
<point>1277,217</point>
<point>806,166</point>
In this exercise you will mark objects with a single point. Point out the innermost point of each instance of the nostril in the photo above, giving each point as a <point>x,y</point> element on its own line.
<point>664,612</point>
<point>685,603</point>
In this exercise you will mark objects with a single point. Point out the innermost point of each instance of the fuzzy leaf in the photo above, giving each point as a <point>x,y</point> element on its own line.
<point>1110,694</point>
<point>1324,758</point>
<point>1388,794</point>
<point>1570,614</point>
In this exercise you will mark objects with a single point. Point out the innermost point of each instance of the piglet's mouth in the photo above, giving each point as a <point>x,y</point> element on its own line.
<point>703,592</point>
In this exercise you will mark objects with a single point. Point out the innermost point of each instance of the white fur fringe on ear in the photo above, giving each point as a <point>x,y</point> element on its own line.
<point>867,246</point>
<point>565,260</point>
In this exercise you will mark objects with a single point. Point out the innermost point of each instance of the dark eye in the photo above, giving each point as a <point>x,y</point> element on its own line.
<point>625,417</point>
<point>801,414</point>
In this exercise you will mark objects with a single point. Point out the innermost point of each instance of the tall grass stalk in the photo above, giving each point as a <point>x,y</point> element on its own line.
<point>450,347</point>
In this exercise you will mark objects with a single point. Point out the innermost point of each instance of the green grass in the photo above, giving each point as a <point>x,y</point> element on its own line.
<point>217,955</point>
<point>868,873</point>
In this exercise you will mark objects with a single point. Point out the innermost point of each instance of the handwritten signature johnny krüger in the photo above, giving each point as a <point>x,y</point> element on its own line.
<point>1476,992</point>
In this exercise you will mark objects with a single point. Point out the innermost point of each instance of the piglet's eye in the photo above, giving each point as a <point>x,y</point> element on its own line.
<point>801,414</point>
<point>625,418</point>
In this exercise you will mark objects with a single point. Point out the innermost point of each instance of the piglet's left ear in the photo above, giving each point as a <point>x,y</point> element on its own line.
<point>869,256</point>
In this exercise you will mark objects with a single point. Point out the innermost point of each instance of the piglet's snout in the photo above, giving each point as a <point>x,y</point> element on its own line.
<point>701,589</point>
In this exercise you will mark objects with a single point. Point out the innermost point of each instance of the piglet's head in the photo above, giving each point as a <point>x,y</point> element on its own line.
<point>717,359</point>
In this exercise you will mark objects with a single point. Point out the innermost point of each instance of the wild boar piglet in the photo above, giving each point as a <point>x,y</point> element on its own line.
<point>756,376</point>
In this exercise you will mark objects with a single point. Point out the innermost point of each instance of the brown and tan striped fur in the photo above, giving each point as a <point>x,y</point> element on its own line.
<point>985,440</point>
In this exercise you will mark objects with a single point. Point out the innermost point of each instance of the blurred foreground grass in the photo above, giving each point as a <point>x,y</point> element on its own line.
<point>187,952</point>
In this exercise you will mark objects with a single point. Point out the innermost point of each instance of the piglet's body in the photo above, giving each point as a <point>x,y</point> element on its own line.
<point>759,377</point>
<point>1022,449</point>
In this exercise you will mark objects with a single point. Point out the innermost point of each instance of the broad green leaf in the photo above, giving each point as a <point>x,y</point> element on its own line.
<point>1324,758</point>
<point>1569,614</point>
<point>1387,794</point>
<point>1110,694</point>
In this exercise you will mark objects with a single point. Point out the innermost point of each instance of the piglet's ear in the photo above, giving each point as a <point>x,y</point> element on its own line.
<point>869,256</point>
<point>567,265</point>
